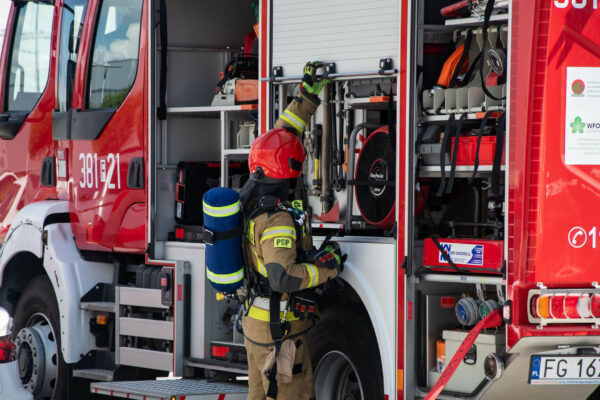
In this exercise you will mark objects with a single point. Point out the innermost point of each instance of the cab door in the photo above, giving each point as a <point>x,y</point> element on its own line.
<point>26,102</point>
<point>105,128</point>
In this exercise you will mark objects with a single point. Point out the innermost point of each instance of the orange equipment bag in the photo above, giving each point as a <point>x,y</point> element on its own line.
<point>246,91</point>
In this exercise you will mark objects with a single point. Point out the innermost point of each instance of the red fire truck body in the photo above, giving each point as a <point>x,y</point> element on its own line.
<point>97,266</point>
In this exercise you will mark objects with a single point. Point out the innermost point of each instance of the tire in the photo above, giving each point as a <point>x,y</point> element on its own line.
<point>37,315</point>
<point>345,356</point>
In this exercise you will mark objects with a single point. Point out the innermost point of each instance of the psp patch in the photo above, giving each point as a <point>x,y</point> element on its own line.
<point>281,242</point>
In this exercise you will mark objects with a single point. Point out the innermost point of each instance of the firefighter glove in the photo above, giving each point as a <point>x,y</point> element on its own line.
<point>326,259</point>
<point>304,304</point>
<point>334,248</point>
<point>311,84</point>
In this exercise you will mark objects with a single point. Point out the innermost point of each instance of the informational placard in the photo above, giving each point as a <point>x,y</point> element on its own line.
<point>582,116</point>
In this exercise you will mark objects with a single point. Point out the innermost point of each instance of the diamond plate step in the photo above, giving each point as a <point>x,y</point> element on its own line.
<point>106,375</point>
<point>192,389</point>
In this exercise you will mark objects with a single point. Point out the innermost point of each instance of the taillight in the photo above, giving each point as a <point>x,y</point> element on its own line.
<point>564,306</point>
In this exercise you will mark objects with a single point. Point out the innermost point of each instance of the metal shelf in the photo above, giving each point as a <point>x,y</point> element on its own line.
<point>373,102</point>
<point>236,152</point>
<point>461,171</point>
<point>211,111</point>
<point>468,279</point>
<point>475,20</point>
<point>473,116</point>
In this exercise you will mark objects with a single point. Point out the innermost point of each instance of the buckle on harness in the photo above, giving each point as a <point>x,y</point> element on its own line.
<point>208,236</point>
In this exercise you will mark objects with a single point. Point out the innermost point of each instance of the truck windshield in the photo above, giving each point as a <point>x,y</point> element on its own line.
<point>70,36</point>
<point>30,57</point>
<point>115,53</point>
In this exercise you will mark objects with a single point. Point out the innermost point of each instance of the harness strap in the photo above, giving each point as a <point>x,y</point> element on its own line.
<point>496,193</point>
<point>277,335</point>
<point>484,122</point>
<point>486,24</point>
<point>445,141</point>
<point>445,254</point>
<point>211,237</point>
<point>463,58</point>
<point>457,130</point>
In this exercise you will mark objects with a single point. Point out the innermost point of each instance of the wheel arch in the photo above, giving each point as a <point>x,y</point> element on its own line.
<point>370,278</point>
<point>15,278</point>
<point>41,234</point>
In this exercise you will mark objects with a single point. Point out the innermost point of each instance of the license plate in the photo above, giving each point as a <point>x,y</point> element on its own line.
<point>564,370</point>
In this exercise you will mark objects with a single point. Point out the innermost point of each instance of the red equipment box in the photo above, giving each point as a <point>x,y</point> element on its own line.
<point>467,150</point>
<point>469,255</point>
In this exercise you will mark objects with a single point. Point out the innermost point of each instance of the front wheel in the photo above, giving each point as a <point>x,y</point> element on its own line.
<point>37,337</point>
<point>345,356</point>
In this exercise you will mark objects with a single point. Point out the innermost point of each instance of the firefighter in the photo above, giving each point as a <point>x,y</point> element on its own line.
<point>283,265</point>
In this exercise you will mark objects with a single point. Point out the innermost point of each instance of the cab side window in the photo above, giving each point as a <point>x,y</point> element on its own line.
<point>70,37</point>
<point>115,53</point>
<point>30,56</point>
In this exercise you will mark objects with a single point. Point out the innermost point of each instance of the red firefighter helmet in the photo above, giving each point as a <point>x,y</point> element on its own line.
<point>277,154</point>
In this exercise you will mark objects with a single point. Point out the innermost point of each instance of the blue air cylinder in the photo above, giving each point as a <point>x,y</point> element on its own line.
<point>223,238</point>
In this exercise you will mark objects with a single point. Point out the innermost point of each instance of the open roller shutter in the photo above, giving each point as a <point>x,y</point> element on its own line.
<point>339,31</point>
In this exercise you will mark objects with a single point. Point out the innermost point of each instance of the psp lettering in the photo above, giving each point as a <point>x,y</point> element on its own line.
<point>578,4</point>
<point>283,243</point>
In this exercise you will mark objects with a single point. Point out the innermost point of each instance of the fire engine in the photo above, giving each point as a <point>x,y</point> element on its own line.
<point>454,158</point>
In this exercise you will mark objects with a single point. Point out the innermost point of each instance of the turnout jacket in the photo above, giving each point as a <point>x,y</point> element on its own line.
<point>272,252</point>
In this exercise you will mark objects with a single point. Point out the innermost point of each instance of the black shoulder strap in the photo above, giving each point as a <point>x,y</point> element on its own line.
<point>444,148</point>
<point>496,193</point>
<point>454,158</point>
<point>484,122</point>
<point>164,44</point>
<point>489,8</point>
<point>445,254</point>
<point>463,58</point>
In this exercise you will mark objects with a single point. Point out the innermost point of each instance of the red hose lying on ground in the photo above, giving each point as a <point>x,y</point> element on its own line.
<point>491,321</point>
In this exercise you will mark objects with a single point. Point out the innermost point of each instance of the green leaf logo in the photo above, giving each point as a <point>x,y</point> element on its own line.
<point>577,125</point>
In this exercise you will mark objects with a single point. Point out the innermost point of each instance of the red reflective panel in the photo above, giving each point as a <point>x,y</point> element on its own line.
<point>570,306</point>
<point>557,307</point>
<point>533,306</point>
<point>595,306</point>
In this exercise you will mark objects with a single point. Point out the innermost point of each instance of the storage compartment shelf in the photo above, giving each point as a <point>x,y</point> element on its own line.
<point>466,279</point>
<point>475,20</point>
<point>444,117</point>
<point>236,152</point>
<point>369,103</point>
<point>210,110</point>
<point>461,171</point>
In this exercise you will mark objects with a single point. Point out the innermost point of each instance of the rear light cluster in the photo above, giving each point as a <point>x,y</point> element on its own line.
<point>556,306</point>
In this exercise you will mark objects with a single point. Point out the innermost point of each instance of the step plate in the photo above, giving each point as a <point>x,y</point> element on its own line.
<point>192,389</point>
